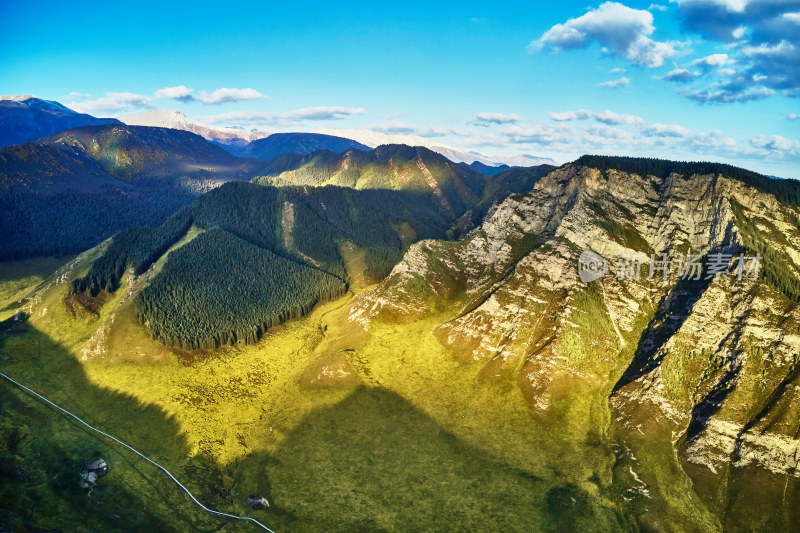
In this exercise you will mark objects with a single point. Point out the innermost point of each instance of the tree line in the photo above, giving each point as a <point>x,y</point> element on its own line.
<point>247,272</point>
<point>219,289</point>
<point>785,190</point>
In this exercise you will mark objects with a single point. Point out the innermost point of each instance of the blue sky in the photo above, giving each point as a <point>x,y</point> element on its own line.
<point>690,79</point>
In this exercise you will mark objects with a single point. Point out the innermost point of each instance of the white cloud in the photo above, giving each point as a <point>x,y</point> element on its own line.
<point>113,103</point>
<point>249,119</point>
<point>609,117</point>
<point>497,118</point>
<point>666,130</point>
<point>403,128</point>
<point>539,134</point>
<point>712,139</point>
<point>726,95</point>
<point>714,60</point>
<point>680,75</point>
<point>75,96</point>
<point>224,95</point>
<point>793,116</point>
<point>620,29</point>
<point>580,114</point>
<point>622,82</point>
<point>731,6</point>
<point>738,33</point>
<point>617,71</point>
<point>606,117</point>
<point>775,143</point>
<point>180,93</point>
<point>657,7</point>
<point>762,37</point>
<point>609,135</point>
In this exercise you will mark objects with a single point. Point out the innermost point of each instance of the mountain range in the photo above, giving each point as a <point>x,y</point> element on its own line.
<point>97,180</point>
<point>26,118</point>
<point>377,138</point>
<point>388,339</point>
<point>168,118</point>
<point>704,367</point>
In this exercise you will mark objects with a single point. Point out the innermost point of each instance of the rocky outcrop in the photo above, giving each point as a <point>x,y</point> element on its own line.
<point>714,361</point>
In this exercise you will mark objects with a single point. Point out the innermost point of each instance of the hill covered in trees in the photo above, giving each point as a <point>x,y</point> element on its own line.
<point>276,144</point>
<point>220,289</point>
<point>395,167</point>
<point>69,191</point>
<point>313,241</point>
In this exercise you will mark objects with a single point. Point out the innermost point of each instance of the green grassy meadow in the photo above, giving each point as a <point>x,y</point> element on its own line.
<point>339,429</point>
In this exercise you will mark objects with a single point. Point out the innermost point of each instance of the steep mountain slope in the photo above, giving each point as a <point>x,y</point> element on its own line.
<point>169,118</point>
<point>351,235</point>
<point>480,374</point>
<point>498,188</point>
<point>26,118</point>
<point>706,366</point>
<point>395,167</point>
<point>285,249</point>
<point>71,190</point>
<point>137,152</point>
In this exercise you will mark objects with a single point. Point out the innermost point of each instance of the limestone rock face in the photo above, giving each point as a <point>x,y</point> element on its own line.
<point>713,361</point>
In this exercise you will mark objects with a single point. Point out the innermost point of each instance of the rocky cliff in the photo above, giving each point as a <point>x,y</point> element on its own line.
<point>710,364</point>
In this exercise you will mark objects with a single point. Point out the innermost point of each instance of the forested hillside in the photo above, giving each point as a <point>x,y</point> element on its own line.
<point>315,240</point>
<point>395,167</point>
<point>219,289</point>
<point>70,191</point>
<point>294,143</point>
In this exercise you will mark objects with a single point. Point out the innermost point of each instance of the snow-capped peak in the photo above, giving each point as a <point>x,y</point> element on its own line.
<point>17,97</point>
<point>170,118</point>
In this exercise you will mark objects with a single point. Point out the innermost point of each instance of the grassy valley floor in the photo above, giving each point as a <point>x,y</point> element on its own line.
<point>339,429</point>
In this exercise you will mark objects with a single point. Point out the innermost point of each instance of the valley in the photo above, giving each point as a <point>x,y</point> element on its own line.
<point>329,333</point>
<point>479,383</point>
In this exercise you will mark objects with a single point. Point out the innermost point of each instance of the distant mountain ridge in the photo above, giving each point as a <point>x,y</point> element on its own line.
<point>488,170</point>
<point>276,144</point>
<point>169,118</point>
<point>258,144</point>
<point>394,167</point>
<point>26,118</point>
<point>73,189</point>
<point>376,138</point>
<point>137,152</point>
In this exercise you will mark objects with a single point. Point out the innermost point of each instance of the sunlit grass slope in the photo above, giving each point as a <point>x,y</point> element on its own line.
<point>340,429</point>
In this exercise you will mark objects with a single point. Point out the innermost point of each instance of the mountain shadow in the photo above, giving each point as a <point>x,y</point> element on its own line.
<point>673,310</point>
<point>375,462</point>
<point>321,238</point>
<point>42,451</point>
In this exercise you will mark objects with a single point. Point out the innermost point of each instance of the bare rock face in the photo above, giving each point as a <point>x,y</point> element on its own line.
<point>712,361</point>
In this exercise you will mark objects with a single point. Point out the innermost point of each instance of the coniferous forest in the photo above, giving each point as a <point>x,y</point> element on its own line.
<point>787,191</point>
<point>275,251</point>
<point>219,289</point>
